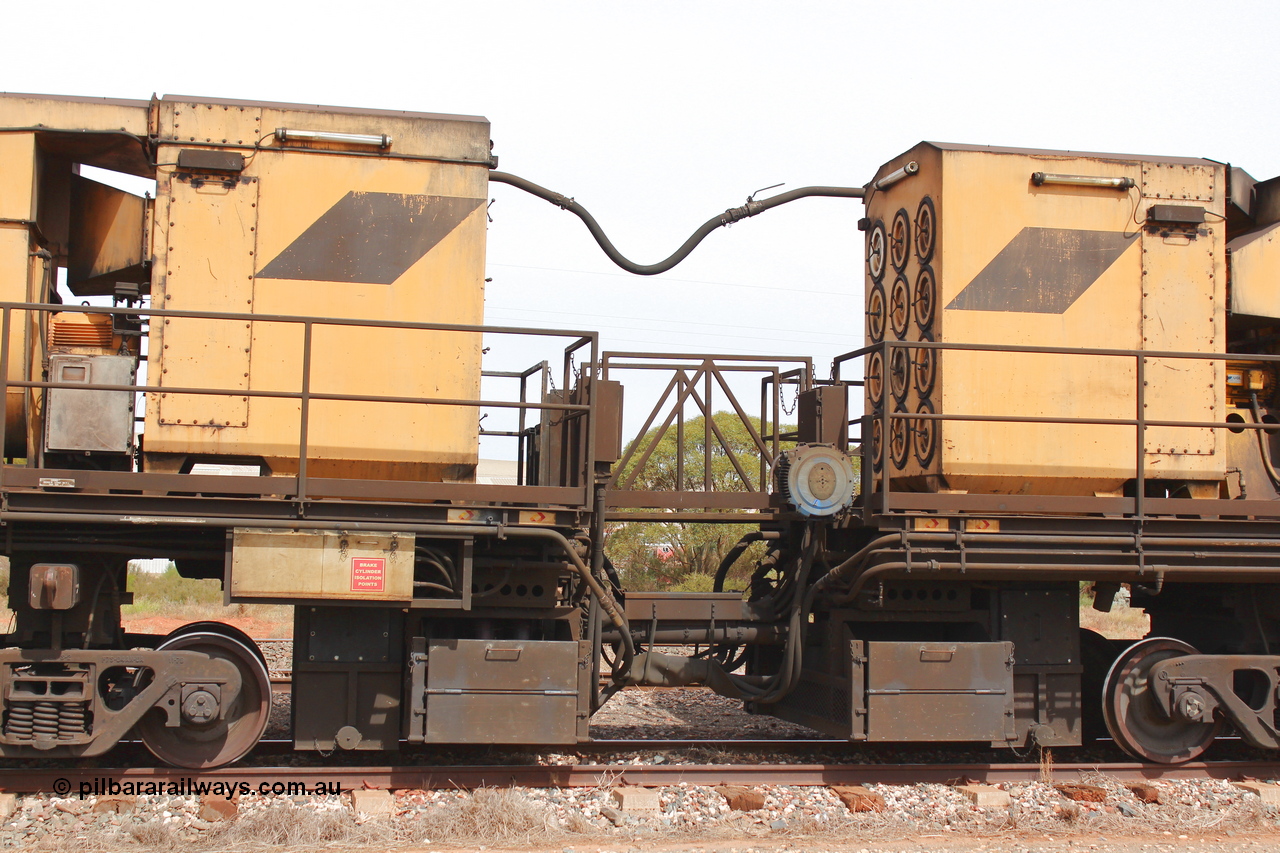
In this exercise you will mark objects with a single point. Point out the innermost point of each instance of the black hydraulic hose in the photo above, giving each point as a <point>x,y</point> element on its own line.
<point>1262,442</point>
<point>733,214</point>
<point>736,551</point>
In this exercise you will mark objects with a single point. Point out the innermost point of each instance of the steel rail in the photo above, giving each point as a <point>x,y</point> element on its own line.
<point>37,780</point>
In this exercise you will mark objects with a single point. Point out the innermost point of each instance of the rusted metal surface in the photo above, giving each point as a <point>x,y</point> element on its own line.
<point>65,715</point>
<point>937,691</point>
<point>515,691</point>
<point>1189,689</point>
<point>595,775</point>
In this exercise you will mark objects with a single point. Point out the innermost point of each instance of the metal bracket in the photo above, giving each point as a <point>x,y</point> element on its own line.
<point>1194,687</point>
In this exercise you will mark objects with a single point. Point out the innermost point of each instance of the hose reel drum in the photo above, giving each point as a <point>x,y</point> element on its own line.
<point>817,479</point>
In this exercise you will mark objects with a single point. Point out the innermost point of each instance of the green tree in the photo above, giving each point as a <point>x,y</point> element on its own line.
<point>681,554</point>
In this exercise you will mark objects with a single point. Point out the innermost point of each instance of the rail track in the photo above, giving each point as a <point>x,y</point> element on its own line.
<point>418,777</point>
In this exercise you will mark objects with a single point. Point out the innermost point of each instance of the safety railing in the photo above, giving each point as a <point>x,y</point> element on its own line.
<point>879,497</point>
<point>22,318</point>
<point>700,380</point>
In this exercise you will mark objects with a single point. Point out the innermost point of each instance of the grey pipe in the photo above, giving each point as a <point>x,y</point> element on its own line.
<point>765,634</point>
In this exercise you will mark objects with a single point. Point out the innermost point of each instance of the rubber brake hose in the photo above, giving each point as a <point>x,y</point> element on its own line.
<point>733,214</point>
<point>1262,442</point>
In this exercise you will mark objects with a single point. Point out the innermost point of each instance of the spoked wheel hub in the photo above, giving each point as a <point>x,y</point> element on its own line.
<point>216,729</point>
<point>1134,717</point>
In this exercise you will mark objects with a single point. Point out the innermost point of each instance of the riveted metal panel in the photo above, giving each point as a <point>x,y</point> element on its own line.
<point>328,230</point>
<point>208,236</point>
<point>939,691</point>
<point>502,691</point>
<point>1013,261</point>
<point>292,564</point>
<point>1183,290</point>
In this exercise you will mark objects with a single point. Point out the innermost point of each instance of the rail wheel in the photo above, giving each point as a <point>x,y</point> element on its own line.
<point>200,744</point>
<point>1133,717</point>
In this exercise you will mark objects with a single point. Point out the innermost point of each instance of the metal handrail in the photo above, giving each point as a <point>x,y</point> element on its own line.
<point>1140,422</point>
<point>688,372</point>
<point>305,395</point>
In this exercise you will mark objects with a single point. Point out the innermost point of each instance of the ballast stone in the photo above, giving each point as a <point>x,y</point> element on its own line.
<point>985,796</point>
<point>372,803</point>
<point>633,799</point>
<point>1269,793</point>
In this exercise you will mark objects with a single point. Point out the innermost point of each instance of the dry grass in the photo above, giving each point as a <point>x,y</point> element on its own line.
<point>1122,623</point>
<point>165,600</point>
<point>508,818</point>
<point>297,828</point>
<point>494,817</point>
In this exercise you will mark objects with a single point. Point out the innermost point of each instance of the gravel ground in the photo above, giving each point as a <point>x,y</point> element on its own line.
<point>1207,815</point>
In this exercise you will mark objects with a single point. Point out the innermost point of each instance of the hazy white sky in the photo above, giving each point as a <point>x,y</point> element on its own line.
<point>658,115</point>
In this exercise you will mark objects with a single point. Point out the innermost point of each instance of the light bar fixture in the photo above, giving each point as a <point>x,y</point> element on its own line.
<point>897,175</point>
<point>1042,178</point>
<point>285,134</point>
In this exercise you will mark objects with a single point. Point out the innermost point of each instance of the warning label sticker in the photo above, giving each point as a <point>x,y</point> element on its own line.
<point>368,574</point>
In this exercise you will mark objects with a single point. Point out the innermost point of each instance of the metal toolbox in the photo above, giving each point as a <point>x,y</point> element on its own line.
<point>505,691</point>
<point>938,691</point>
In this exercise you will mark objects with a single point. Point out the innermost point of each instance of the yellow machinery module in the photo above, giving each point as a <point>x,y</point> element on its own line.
<point>1006,248</point>
<point>260,210</point>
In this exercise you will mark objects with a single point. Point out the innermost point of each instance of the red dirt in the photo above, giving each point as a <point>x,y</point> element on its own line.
<point>256,628</point>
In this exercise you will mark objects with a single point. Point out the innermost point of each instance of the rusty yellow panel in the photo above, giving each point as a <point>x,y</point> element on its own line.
<point>931,523</point>
<point>1182,297</point>
<point>351,232</point>
<point>415,256</point>
<point>213,121</point>
<point>1181,182</point>
<point>1255,273</point>
<point>15,270</point>
<point>120,128</point>
<point>17,178</point>
<point>18,270</point>
<point>1016,262</point>
<point>982,525</point>
<point>72,113</point>
<point>292,564</point>
<point>206,123</point>
<point>107,228</point>
<point>206,264</point>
